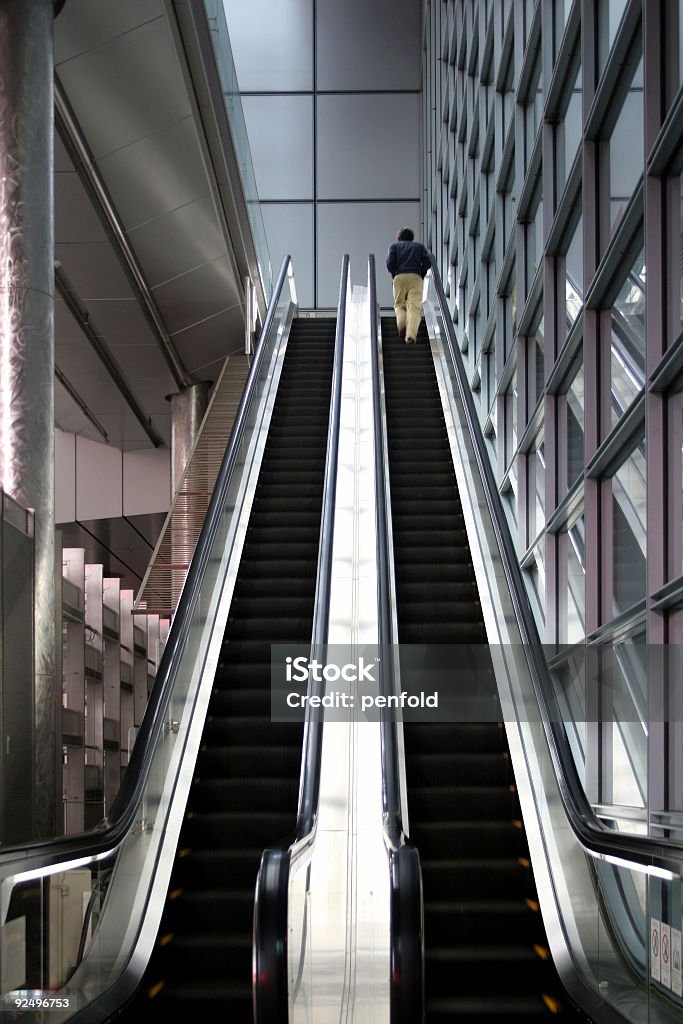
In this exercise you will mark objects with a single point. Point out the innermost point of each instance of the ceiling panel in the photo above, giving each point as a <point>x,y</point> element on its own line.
<point>70,417</point>
<point>62,160</point>
<point>144,363</point>
<point>82,27</point>
<point>183,239</point>
<point>127,433</point>
<point>155,175</point>
<point>198,295</point>
<point>88,376</point>
<point>94,270</point>
<point>120,322</point>
<point>153,396</point>
<point>204,346</point>
<point>75,218</point>
<point>135,78</point>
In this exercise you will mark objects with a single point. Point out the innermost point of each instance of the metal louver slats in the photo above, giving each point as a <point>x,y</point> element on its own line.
<point>165,576</point>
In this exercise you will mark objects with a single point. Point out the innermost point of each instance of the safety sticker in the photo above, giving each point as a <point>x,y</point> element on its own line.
<point>655,949</point>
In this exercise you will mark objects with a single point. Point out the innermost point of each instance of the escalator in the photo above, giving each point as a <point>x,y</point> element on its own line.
<point>486,953</point>
<point>246,783</point>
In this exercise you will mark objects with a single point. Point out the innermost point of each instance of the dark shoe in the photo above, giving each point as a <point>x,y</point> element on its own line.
<point>402,332</point>
<point>410,341</point>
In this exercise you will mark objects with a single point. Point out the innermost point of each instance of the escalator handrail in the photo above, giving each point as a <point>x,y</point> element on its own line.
<point>644,850</point>
<point>391,791</point>
<point>124,807</point>
<point>270,945</point>
<point>310,780</point>
<point>407,908</point>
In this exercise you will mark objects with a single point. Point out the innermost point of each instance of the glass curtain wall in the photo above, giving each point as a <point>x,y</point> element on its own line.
<point>553,204</point>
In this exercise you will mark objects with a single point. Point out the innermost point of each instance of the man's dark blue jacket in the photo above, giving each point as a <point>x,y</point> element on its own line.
<point>408,258</point>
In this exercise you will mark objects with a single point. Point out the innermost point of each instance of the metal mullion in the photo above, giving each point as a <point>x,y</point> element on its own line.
<point>667,151</point>
<point>568,509</point>
<point>617,74</point>
<point>619,255</point>
<point>530,56</point>
<point>619,442</point>
<point>527,314</point>
<point>567,359</point>
<point>673,426</point>
<point>530,179</point>
<point>565,215</point>
<point>536,421</point>
<point>568,59</point>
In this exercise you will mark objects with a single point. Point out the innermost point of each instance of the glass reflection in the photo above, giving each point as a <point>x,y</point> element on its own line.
<point>629,531</point>
<point>627,370</point>
<point>572,576</point>
<point>626,149</point>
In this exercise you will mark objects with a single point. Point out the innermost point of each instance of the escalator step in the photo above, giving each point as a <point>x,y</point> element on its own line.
<point>453,737</point>
<point>472,878</point>
<point>476,921</point>
<point>478,838</point>
<point>461,802</point>
<point>456,768</point>
<point>488,1008</point>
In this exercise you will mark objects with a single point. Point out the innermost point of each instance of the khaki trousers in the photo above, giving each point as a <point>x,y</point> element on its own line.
<point>408,303</point>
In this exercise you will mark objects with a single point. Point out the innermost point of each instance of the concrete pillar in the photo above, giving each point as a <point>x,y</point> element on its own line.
<point>27,339</point>
<point>187,412</point>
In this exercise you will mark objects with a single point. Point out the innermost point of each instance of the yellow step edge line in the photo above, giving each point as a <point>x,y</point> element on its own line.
<point>551,1003</point>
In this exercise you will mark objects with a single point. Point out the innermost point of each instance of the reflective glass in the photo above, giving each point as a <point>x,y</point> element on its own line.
<point>510,432</point>
<point>629,531</point>
<point>569,132</point>
<point>536,490</point>
<point>536,358</point>
<point>627,370</point>
<point>561,9</point>
<point>535,574</point>
<point>574,275</point>
<point>508,96</point>
<point>533,112</point>
<point>509,209</point>
<point>489,374</point>
<point>609,14</point>
<point>575,420</point>
<point>534,240</point>
<point>626,149</point>
<point>509,314</point>
<point>624,703</point>
<point>511,498</point>
<point>572,552</point>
